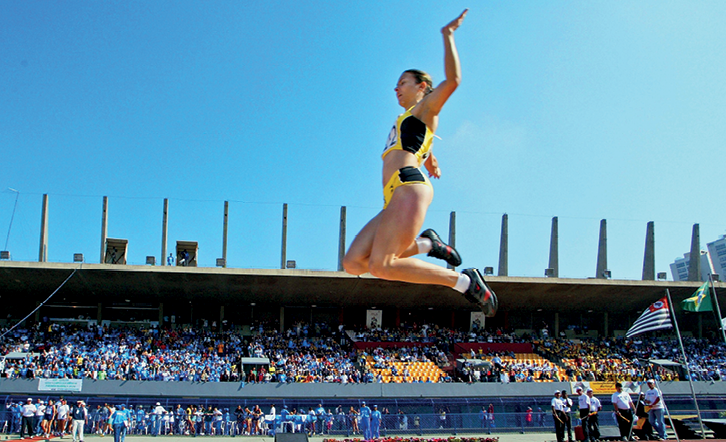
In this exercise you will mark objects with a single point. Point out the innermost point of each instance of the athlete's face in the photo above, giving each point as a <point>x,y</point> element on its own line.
<point>408,91</point>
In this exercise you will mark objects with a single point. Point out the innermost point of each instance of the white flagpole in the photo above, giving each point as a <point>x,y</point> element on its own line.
<point>718,309</point>
<point>685,360</point>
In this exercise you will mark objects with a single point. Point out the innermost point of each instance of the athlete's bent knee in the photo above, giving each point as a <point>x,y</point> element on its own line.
<point>380,269</point>
<point>354,266</point>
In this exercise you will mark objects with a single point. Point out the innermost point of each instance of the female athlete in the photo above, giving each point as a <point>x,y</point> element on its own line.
<point>387,243</point>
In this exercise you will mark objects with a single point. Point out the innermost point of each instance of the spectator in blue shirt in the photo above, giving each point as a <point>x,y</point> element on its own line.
<point>365,421</point>
<point>120,423</point>
<point>375,423</point>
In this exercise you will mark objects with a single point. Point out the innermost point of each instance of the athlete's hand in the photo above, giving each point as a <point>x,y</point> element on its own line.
<point>432,166</point>
<point>434,173</point>
<point>455,23</point>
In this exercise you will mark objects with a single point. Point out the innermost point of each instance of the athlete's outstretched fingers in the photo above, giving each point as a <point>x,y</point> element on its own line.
<point>455,23</point>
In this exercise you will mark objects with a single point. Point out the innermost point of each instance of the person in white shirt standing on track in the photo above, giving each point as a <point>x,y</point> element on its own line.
<point>558,414</point>
<point>583,404</point>
<point>38,419</point>
<point>62,420</point>
<point>624,408</point>
<point>656,411</point>
<point>28,415</point>
<point>593,421</point>
<point>158,413</point>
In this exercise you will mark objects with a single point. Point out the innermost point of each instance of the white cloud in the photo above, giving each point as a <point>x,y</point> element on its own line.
<point>488,139</point>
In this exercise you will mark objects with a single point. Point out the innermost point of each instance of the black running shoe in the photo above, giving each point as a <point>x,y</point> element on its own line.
<point>480,294</point>
<point>440,250</point>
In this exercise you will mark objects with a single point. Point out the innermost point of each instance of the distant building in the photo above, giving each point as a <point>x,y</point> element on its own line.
<point>679,269</point>
<point>717,251</point>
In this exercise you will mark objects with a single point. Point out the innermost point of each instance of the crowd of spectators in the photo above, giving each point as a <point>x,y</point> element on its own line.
<point>303,354</point>
<point>435,334</point>
<point>510,369</point>
<point>620,359</point>
<point>413,364</point>
<point>182,420</point>
<point>209,420</point>
<point>384,357</point>
<point>318,353</point>
<point>68,351</point>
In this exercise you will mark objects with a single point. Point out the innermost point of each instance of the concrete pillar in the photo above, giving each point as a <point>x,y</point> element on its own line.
<point>104,228</point>
<point>283,259</point>
<point>649,258</point>
<point>224,232</point>
<point>606,325</point>
<point>161,314</point>
<point>694,263</point>
<point>164,230</point>
<point>341,238</point>
<point>99,313</point>
<point>452,233</point>
<point>554,262</point>
<point>602,251</point>
<point>43,254</point>
<point>504,248</point>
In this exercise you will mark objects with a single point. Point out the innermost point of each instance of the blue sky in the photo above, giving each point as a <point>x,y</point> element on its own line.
<point>581,110</point>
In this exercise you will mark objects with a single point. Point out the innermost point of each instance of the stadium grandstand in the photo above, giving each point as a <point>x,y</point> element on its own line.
<point>221,338</point>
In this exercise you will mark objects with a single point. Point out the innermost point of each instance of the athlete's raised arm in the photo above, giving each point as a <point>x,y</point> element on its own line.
<point>437,98</point>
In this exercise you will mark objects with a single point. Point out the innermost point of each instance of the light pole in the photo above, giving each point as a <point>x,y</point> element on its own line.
<point>17,194</point>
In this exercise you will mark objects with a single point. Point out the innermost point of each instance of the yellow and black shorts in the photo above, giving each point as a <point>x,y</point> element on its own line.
<point>405,176</point>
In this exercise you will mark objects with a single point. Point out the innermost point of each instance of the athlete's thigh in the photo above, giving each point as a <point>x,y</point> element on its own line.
<point>401,221</point>
<point>360,248</point>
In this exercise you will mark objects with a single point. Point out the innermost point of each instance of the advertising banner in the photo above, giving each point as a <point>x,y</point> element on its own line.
<point>60,384</point>
<point>607,387</point>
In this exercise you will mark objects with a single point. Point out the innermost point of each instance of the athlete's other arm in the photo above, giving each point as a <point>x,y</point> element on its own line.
<point>432,165</point>
<point>437,98</point>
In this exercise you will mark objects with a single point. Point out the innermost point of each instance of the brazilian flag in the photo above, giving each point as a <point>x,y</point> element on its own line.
<point>699,302</point>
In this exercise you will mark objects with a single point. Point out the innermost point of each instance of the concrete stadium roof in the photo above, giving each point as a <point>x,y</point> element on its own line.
<point>93,283</point>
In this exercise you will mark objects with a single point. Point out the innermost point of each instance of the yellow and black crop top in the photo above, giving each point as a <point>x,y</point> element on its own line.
<point>412,135</point>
